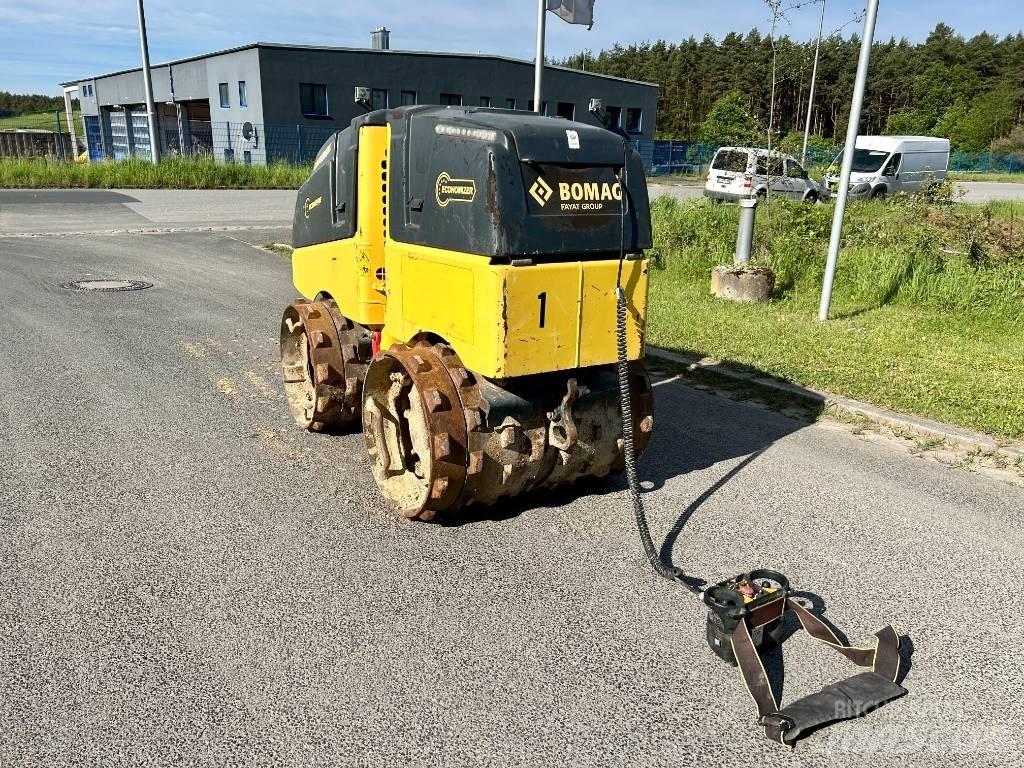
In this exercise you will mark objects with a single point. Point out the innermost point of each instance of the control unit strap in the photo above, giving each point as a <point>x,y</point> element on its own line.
<point>844,700</point>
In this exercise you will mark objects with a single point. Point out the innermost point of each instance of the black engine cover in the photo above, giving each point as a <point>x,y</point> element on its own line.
<point>497,183</point>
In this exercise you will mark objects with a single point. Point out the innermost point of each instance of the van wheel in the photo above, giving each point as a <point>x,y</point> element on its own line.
<point>879,193</point>
<point>812,198</point>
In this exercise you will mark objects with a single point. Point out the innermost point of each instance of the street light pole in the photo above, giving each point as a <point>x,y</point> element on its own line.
<point>538,78</point>
<point>851,146</point>
<point>147,80</point>
<point>814,78</point>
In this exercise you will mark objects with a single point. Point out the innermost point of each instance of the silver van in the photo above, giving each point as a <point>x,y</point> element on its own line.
<point>885,165</point>
<point>737,173</point>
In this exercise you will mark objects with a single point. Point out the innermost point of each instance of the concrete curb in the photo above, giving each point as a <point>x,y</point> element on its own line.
<point>916,424</point>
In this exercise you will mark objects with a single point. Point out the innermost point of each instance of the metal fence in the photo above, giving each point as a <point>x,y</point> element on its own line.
<point>36,143</point>
<point>42,134</point>
<point>35,121</point>
<point>692,157</point>
<point>240,142</point>
<point>661,157</point>
<point>985,162</point>
<point>119,135</point>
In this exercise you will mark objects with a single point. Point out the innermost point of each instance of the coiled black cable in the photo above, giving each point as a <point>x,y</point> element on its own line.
<point>660,567</point>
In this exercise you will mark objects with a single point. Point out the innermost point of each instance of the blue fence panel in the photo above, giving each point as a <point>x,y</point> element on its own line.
<point>661,157</point>
<point>693,157</point>
<point>259,144</point>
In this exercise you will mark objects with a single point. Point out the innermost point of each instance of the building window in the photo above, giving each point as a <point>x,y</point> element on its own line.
<point>634,120</point>
<point>511,104</point>
<point>229,155</point>
<point>543,107</point>
<point>485,101</point>
<point>567,110</point>
<point>243,101</point>
<point>408,98</point>
<point>247,157</point>
<point>313,99</point>
<point>451,99</point>
<point>613,118</point>
<point>225,99</point>
<point>379,98</point>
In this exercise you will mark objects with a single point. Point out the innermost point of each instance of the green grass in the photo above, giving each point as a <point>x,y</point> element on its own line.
<point>172,173</point>
<point>1007,178</point>
<point>676,178</point>
<point>928,304</point>
<point>41,120</point>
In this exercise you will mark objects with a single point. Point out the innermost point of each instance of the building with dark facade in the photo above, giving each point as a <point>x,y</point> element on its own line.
<point>264,102</point>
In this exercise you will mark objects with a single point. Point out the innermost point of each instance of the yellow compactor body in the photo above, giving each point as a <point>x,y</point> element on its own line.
<point>459,270</point>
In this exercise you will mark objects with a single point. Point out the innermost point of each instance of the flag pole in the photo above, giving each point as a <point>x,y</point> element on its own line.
<point>538,80</point>
<point>814,78</point>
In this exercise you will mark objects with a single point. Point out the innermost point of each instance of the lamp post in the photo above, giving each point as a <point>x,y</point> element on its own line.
<point>147,81</point>
<point>814,79</point>
<point>851,145</point>
<point>538,77</point>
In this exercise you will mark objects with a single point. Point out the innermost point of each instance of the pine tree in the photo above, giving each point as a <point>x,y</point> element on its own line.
<point>972,91</point>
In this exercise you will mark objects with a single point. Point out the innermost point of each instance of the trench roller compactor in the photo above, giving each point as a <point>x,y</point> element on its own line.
<point>475,293</point>
<point>459,269</point>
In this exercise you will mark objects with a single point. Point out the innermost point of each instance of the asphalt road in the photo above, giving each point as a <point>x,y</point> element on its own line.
<point>149,210</point>
<point>185,577</point>
<point>101,210</point>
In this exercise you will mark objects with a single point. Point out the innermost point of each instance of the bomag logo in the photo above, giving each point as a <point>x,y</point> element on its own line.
<point>309,205</point>
<point>588,192</point>
<point>449,190</point>
<point>541,191</point>
<point>576,197</point>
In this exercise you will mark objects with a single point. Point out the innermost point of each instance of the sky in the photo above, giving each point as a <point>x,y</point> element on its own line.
<point>45,42</point>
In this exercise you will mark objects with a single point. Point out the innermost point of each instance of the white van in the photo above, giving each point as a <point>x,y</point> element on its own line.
<point>736,173</point>
<point>885,165</point>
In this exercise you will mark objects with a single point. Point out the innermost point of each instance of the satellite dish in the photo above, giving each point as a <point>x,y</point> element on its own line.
<point>249,133</point>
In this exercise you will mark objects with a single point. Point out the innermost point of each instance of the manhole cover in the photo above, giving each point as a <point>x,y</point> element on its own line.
<point>107,285</point>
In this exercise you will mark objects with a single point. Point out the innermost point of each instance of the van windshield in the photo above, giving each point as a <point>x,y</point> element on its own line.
<point>730,160</point>
<point>864,160</point>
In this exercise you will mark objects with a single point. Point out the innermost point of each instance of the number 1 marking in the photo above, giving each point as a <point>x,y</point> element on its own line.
<point>543,306</point>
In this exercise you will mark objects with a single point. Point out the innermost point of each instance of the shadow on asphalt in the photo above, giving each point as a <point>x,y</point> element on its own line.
<point>693,430</point>
<point>774,664</point>
<point>63,197</point>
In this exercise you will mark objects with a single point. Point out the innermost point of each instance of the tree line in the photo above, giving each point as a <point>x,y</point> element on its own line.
<point>970,91</point>
<point>12,104</point>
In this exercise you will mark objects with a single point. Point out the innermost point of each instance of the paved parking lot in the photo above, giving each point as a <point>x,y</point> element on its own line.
<point>187,578</point>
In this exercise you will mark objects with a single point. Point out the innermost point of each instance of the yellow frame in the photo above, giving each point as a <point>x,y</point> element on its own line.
<point>502,320</point>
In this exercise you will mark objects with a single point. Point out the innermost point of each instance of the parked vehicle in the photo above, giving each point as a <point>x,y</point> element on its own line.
<point>885,165</point>
<point>737,173</point>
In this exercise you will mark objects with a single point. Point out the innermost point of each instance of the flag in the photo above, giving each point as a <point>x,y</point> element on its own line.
<point>574,11</point>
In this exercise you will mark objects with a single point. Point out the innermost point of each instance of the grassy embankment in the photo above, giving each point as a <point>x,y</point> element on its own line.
<point>1003,178</point>
<point>171,173</point>
<point>40,120</point>
<point>928,303</point>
